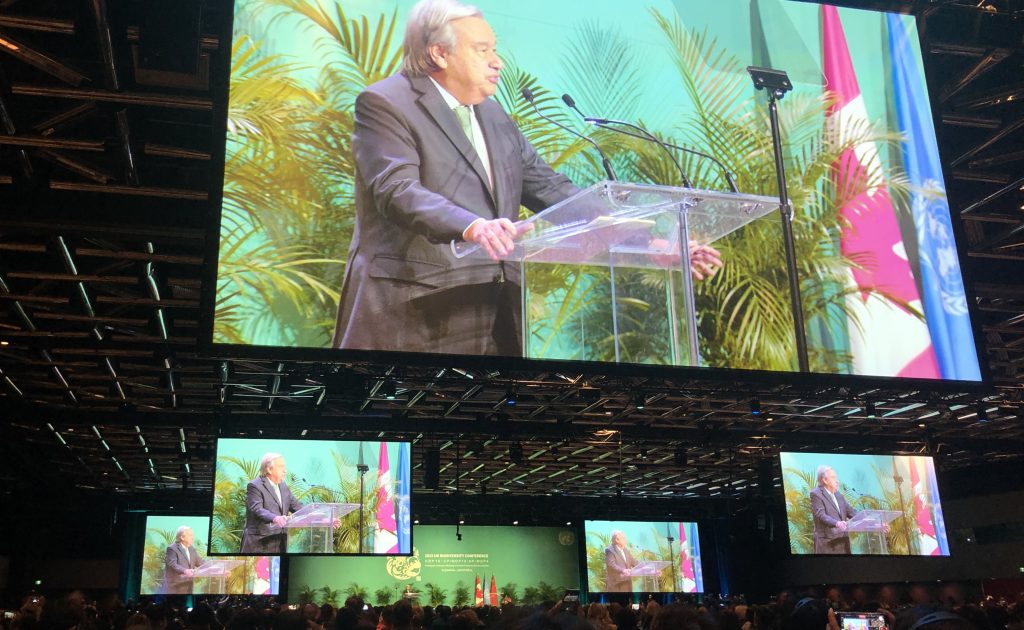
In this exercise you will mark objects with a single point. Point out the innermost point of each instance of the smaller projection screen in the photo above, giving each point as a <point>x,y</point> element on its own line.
<point>645,557</point>
<point>488,565</point>
<point>311,497</point>
<point>863,505</point>
<point>175,562</point>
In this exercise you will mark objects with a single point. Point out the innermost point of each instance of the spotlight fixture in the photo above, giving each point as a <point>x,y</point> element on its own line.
<point>639,399</point>
<point>982,412</point>
<point>388,389</point>
<point>869,409</point>
<point>515,453</point>
<point>755,406</point>
<point>512,394</point>
<point>515,522</point>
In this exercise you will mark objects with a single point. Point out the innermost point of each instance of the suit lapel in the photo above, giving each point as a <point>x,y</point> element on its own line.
<point>273,495</point>
<point>496,149</point>
<point>431,101</point>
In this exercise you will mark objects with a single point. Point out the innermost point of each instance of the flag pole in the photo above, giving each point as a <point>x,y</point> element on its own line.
<point>776,83</point>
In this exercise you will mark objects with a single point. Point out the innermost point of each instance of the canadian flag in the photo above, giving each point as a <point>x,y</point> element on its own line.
<point>478,594</point>
<point>385,534</point>
<point>887,338</point>
<point>923,516</point>
<point>494,592</point>
<point>686,562</point>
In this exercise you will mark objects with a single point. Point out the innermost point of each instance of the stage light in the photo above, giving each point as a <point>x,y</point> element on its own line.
<point>388,389</point>
<point>639,399</point>
<point>755,406</point>
<point>515,522</point>
<point>869,409</point>
<point>512,394</point>
<point>515,453</point>
<point>982,413</point>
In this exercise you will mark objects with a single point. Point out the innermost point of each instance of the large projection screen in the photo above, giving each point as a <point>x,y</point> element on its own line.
<point>648,557</point>
<point>161,575</point>
<point>877,257</point>
<point>863,505</point>
<point>315,497</point>
<point>485,565</point>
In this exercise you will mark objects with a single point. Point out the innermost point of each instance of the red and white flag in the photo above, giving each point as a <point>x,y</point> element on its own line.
<point>686,562</point>
<point>886,337</point>
<point>385,534</point>
<point>494,592</point>
<point>923,516</point>
<point>478,594</point>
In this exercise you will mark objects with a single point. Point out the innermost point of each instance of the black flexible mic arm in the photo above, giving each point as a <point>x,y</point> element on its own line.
<point>607,165</point>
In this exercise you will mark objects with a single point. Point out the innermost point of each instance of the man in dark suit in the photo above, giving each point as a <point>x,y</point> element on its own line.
<point>437,160</point>
<point>180,562</point>
<point>268,502</point>
<point>831,513</point>
<point>618,562</point>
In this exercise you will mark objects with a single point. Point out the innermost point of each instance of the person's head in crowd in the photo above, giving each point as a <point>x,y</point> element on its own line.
<point>598,616</point>
<point>326,615</point>
<point>887,596</point>
<point>310,612</point>
<point>651,610</point>
<point>137,621</point>
<point>952,595</point>
<point>742,612</point>
<point>858,598</point>
<point>465,620</point>
<point>729,620</point>
<point>810,613</point>
<point>443,612</point>
<point>386,618</point>
<point>834,596</point>
<point>201,617</point>
<point>289,620</point>
<point>923,618</point>
<point>679,616</point>
<point>244,619</point>
<point>403,615</point>
<point>919,595</point>
<point>157,615</point>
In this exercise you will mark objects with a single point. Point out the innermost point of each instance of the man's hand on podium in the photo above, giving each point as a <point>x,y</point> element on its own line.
<point>841,526</point>
<point>280,521</point>
<point>189,573</point>
<point>496,236</point>
<point>705,260</point>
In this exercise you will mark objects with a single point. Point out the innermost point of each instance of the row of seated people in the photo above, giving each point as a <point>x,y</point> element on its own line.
<point>916,610</point>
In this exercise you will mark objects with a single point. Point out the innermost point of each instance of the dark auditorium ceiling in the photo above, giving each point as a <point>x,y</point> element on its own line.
<point>106,160</point>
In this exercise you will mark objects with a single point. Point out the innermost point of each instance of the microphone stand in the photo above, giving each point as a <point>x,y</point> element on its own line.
<point>363,469</point>
<point>777,83</point>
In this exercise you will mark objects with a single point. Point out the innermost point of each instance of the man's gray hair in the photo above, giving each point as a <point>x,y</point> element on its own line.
<point>181,532</point>
<point>822,471</point>
<point>430,24</point>
<point>266,461</point>
<point>616,532</point>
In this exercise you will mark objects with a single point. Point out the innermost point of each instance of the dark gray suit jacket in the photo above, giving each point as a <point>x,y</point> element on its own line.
<point>827,537</point>
<point>176,562</point>
<point>614,582</point>
<point>261,507</point>
<point>419,185</point>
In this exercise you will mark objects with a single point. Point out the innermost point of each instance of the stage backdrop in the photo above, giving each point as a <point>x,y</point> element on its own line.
<point>902,485</point>
<point>257,575</point>
<point>524,564</point>
<point>881,284</point>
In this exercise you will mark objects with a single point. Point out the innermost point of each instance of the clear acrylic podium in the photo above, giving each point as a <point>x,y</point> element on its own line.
<point>216,571</point>
<point>313,525</point>
<point>650,571</point>
<point>872,524</point>
<point>590,264</point>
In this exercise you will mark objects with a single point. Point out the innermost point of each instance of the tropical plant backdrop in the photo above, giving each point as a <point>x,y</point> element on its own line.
<point>528,564</point>
<point>318,471</point>
<point>257,575</point>
<point>905,485</point>
<point>675,67</point>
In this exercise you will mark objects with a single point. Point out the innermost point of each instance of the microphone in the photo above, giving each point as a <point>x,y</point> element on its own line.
<point>604,122</point>
<point>608,170</point>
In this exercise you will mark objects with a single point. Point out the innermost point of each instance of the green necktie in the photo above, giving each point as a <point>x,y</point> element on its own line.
<point>462,113</point>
